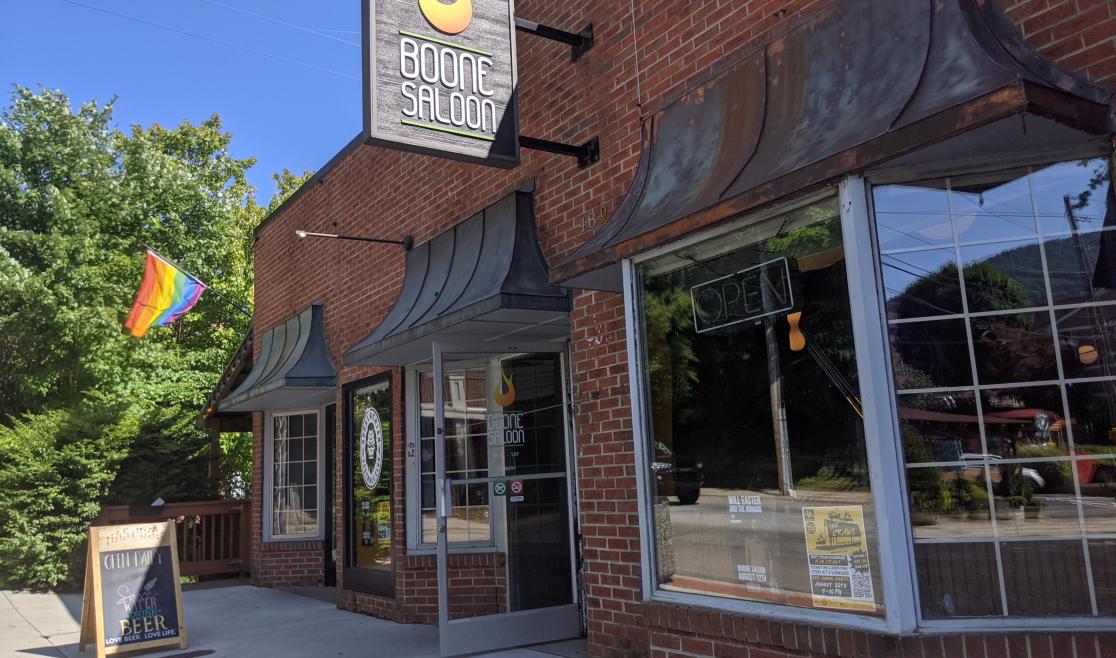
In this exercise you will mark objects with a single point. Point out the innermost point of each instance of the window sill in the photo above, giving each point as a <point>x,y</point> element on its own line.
<point>772,612</point>
<point>848,622</point>
<point>460,550</point>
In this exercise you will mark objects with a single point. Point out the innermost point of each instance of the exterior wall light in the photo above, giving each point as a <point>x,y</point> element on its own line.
<point>407,242</point>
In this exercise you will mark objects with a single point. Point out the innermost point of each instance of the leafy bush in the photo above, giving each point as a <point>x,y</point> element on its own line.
<point>1057,475</point>
<point>55,469</point>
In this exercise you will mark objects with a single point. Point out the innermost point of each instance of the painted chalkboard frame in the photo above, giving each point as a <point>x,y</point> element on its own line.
<point>120,538</point>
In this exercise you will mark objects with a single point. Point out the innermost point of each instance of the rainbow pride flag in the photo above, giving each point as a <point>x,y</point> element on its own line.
<point>165,294</point>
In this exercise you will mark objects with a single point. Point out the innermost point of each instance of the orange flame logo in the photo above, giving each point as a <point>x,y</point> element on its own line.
<point>504,394</point>
<point>447,16</point>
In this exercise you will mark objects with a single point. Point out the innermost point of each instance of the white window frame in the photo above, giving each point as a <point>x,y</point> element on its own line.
<point>902,615</point>
<point>268,496</point>
<point>413,481</point>
<point>961,625</point>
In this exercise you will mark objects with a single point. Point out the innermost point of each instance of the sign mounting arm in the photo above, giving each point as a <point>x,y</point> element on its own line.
<point>580,42</point>
<point>586,154</point>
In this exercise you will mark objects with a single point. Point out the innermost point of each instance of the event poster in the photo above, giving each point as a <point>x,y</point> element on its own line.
<point>837,552</point>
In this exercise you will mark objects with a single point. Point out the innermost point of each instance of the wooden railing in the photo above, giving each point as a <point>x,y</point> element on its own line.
<point>213,537</point>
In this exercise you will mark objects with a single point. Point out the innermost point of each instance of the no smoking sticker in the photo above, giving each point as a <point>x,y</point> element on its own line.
<point>516,487</point>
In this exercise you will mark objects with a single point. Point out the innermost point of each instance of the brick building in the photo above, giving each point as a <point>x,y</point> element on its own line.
<point>812,362</point>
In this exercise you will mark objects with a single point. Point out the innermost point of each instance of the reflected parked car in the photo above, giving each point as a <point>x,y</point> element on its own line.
<point>1000,484</point>
<point>675,476</point>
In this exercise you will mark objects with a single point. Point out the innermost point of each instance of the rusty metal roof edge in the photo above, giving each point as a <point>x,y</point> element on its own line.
<point>1028,62</point>
<point>1002,103</point>
<point>717,70</point>
<point>232,369</point>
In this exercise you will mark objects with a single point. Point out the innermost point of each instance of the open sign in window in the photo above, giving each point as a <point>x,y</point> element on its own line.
<point>749,294</point>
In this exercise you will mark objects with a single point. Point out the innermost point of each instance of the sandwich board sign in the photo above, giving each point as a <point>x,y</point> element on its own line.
<point>440,78</point>
<point>133,598</point>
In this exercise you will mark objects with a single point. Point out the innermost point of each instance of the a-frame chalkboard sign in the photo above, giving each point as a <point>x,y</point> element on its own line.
<point>133,599</point>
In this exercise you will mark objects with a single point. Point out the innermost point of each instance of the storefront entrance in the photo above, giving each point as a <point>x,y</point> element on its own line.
<point>501,479</point>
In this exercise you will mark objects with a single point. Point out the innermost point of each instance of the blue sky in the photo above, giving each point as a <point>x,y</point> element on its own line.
<point>282,113</point>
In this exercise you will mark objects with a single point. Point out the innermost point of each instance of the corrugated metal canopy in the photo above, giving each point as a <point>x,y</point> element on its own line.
<point>483,280</point>
<point>294,370</point>
<point>237,370</point>
<point>861,84</point>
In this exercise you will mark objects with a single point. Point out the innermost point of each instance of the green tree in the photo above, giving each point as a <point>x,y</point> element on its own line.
<point>286,184</point>
<point>79,200</point>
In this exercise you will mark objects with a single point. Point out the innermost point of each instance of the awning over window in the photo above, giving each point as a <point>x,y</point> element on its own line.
<point>484,280</point>
<point>857,86</point>
<point>294,370</point>
<point>237,370</point>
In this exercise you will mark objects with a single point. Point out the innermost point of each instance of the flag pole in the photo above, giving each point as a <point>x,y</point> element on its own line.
<point>207,288</point>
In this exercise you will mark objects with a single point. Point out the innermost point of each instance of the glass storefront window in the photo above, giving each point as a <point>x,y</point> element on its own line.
<point>369,424</point>
<point>756,432</point>
<point>293,460</point>
<point>1000,295</point>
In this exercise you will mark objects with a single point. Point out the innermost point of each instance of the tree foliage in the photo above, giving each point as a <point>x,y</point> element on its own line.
<point>79,201</point>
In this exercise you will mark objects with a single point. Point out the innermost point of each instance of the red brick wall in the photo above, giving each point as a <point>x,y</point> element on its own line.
<point>278,564</point>
<point>647,51</point>
<point>477,586</point>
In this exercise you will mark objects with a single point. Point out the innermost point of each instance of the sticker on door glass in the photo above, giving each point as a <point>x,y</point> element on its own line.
<point>751,574</point>
<point>505,428</point>
<point>837,552</point>
<point>740,506</point>
<point>371,448</point>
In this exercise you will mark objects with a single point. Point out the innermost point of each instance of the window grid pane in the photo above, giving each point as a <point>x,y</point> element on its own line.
<point>465,407</point>
<point>294,498</point>
<point>1008,463</point>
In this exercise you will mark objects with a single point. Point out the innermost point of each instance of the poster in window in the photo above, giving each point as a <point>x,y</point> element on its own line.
<point>837,553</point>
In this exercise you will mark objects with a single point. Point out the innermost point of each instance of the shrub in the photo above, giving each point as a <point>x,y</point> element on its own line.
<point>56,468</point>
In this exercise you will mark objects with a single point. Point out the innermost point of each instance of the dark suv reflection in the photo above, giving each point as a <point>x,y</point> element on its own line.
<point>677,476</point>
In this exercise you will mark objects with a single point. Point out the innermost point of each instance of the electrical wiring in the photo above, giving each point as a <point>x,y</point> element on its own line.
<point>320,33</point>
<point>229,44</point>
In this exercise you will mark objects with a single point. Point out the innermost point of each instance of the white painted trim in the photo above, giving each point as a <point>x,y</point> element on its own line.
<point>640,436</point>
<point>747,219</point>
<point>881,423</point>
<point>830,619</point>
<point>267,495</point>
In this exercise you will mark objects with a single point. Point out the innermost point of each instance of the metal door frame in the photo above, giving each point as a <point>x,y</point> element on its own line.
<point>507,629</point>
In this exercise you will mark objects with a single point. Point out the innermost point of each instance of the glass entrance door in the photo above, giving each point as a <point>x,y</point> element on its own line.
<point>501,446</point>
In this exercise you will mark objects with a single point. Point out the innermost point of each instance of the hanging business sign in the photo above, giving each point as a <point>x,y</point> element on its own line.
<point>440,78</point>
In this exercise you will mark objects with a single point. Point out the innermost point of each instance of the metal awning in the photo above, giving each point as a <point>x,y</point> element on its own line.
<point>237,370</point>
<point>294,370</point>
<point>860,85</point>
<point>484,280</point>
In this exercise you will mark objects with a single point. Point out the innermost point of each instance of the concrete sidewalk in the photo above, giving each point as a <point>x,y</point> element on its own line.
<point>240,621</point>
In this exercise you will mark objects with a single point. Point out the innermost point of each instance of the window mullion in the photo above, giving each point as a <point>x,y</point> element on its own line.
<point>881,424</point>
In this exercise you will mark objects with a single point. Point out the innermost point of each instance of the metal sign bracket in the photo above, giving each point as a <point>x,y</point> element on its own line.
<point>579,42</point>
<point>586,154</point>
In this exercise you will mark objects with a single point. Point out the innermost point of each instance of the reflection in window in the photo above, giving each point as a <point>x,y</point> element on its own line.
<point>294,475</point>
<point>757,442</point>
<point>370,450</point>
<point>1006,386</point>
<point>465,395</point>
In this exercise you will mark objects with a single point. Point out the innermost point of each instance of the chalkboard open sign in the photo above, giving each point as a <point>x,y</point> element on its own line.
<point>133,599</point>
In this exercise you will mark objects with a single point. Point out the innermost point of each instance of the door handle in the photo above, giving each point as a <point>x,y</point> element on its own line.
<point>445,499</point>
